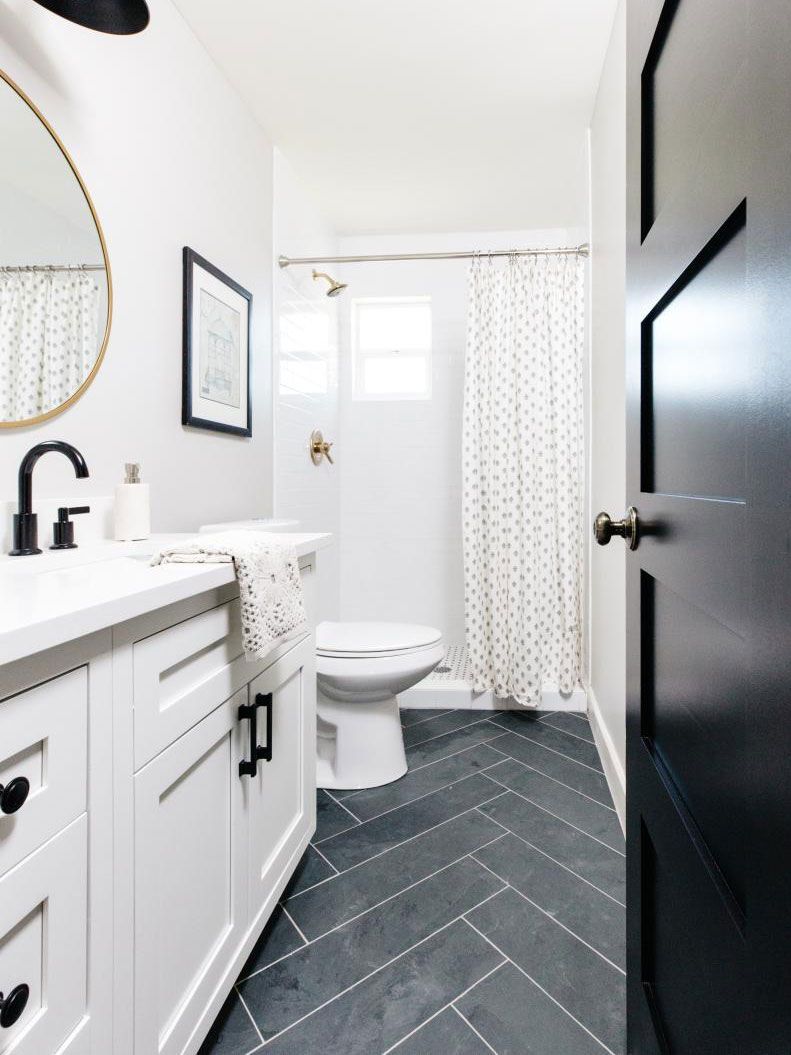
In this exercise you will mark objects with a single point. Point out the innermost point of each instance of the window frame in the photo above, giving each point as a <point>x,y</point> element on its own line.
<point>359,393</point>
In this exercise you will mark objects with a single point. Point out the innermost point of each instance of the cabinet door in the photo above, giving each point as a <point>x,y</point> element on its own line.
<point>190,878</point>
<point>43,945</point>
<point>282,793</point>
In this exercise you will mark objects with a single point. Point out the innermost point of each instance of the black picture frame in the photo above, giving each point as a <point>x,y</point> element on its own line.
<point>190,349</point>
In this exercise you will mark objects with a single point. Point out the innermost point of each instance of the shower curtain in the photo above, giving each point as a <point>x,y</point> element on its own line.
<point>522,454</point>
<point>48,338</point>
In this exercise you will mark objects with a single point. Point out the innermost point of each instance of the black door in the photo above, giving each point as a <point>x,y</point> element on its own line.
<point>709,585</point>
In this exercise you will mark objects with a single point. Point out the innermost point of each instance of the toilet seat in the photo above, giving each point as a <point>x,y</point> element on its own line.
<point>373,640</point>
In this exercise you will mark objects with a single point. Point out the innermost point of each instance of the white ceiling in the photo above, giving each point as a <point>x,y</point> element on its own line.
<point>421,115</point>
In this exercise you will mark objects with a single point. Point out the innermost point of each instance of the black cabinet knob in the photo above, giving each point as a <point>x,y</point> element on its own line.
<point>14,794</point>
<point>12,1006</point>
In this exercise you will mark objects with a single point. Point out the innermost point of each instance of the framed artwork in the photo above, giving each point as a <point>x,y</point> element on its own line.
<point>216,353</point>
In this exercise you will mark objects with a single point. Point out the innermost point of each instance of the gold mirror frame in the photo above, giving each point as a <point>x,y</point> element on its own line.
<point>25,422</point>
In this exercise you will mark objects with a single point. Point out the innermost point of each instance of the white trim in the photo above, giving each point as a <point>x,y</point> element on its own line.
<point>613,767</point>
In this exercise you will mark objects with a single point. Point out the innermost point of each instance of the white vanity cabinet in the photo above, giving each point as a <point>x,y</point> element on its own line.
<point>171,795</point>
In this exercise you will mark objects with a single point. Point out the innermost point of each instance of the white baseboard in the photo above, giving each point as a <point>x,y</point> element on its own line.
<point>429,694</point>
<point>613,768</point>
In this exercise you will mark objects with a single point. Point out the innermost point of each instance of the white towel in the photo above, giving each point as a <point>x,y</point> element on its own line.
<point>270,588</point>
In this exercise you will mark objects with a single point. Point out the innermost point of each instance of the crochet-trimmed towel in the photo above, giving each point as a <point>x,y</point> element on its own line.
<point>270,589</point>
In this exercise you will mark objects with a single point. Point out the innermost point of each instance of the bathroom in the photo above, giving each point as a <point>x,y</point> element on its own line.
<point>326,334</point>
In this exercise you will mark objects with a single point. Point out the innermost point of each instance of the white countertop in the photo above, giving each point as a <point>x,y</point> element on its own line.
<point>56,597</point>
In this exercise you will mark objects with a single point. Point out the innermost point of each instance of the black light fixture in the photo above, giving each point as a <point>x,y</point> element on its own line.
<point>106,16</point>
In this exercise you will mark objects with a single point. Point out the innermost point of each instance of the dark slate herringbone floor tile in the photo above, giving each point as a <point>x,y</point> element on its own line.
<point>319,910</point>
<point>516,1018</point>
<point>450,743</point>
<point>575,724</point>
<point>591,915</point>
<point>593,818</point>
<point>411,715</point>
<point>311,869</point>
<point>381,1010</point>
<point>549,738</point>
<point>581,981</point>
<point>330,817</point>
<point>414,785</point>
<point>443,723</point>
<point>279,938</point>
<point>233,1032</point>
<point>597,863</point>
<point>445,1034</point>
<point>565,770</point>
<point>383,833</point>
<point>297,985</point>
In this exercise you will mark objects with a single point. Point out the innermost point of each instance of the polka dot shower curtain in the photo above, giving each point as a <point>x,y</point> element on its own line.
<point>523,463</point>
<point>48,338</point>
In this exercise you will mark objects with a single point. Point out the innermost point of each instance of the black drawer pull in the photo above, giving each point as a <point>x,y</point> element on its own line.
<point>248,767</point>
<point>14,795</point>
<point>265,700</point>
<point>13,1006</point>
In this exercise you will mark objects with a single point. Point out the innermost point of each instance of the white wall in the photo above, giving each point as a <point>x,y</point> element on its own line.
<point>607,690</point>
<point>306,376</point>
<point>401,547</point>
<point>171,158</point>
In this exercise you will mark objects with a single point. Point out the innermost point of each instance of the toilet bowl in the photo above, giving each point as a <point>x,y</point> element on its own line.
<point>360,668</point>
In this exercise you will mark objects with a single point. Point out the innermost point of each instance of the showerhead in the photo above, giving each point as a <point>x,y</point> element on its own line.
<point>335,286</point>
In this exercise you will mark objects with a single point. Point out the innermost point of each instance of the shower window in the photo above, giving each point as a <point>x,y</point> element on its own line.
<point>391,346</point>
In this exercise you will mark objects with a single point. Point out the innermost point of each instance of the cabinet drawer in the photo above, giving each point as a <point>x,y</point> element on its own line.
<point>182,673</point>
<point>44,739</point>
<point>43,941</point>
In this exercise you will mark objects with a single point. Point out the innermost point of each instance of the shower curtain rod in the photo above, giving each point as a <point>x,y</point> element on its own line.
<point>578,250</point>
<point>53,267</point>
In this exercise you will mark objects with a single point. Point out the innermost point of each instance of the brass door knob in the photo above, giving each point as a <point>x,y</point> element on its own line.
<point>604,527</point>
<point>319,448</point>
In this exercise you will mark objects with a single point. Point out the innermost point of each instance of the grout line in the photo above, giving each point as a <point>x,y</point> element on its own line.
<point>560,729</point>
<point>339,803</point>
<point>297,928</point>
<point>371,974</point>
<point>378,904</point>
<point>446,1007</point>
<point>546,776</point>
<point>543,990</point>
<point>549,915</point>
<point>418,798</point>
<point>544,747</point>
<point>249,1015</point>
<point>549,813</point>
<point>448,732</point>
<point>467,1022</point>
<point>560,864</point>
<point>329,862</point>
<point>381,853</point>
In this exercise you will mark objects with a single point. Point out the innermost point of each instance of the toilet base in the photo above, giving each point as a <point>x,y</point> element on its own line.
<point>360,744</point>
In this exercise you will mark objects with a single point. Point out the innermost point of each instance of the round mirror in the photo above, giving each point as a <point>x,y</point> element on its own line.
<point>55,289</point>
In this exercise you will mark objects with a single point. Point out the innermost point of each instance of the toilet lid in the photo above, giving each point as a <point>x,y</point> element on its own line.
<point>368,639</point>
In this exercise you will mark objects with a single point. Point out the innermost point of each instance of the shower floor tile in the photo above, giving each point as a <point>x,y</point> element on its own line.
<point>475,905</point>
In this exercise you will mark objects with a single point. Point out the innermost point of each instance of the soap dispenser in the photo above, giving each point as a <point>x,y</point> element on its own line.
<point>132,507</point>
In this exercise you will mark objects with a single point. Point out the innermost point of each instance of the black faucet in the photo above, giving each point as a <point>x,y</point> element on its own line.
<point>26,521</point>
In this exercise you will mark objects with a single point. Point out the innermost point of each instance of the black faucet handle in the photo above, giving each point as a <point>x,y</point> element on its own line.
<point>63,528</point>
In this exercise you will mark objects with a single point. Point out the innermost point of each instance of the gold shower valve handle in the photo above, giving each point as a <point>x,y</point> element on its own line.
<point>319,448</point>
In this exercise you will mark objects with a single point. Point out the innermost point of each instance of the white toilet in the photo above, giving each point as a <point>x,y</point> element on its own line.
<point>360,668</point>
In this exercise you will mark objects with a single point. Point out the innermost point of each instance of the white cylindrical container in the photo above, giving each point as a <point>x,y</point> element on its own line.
<point>132,507</point>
